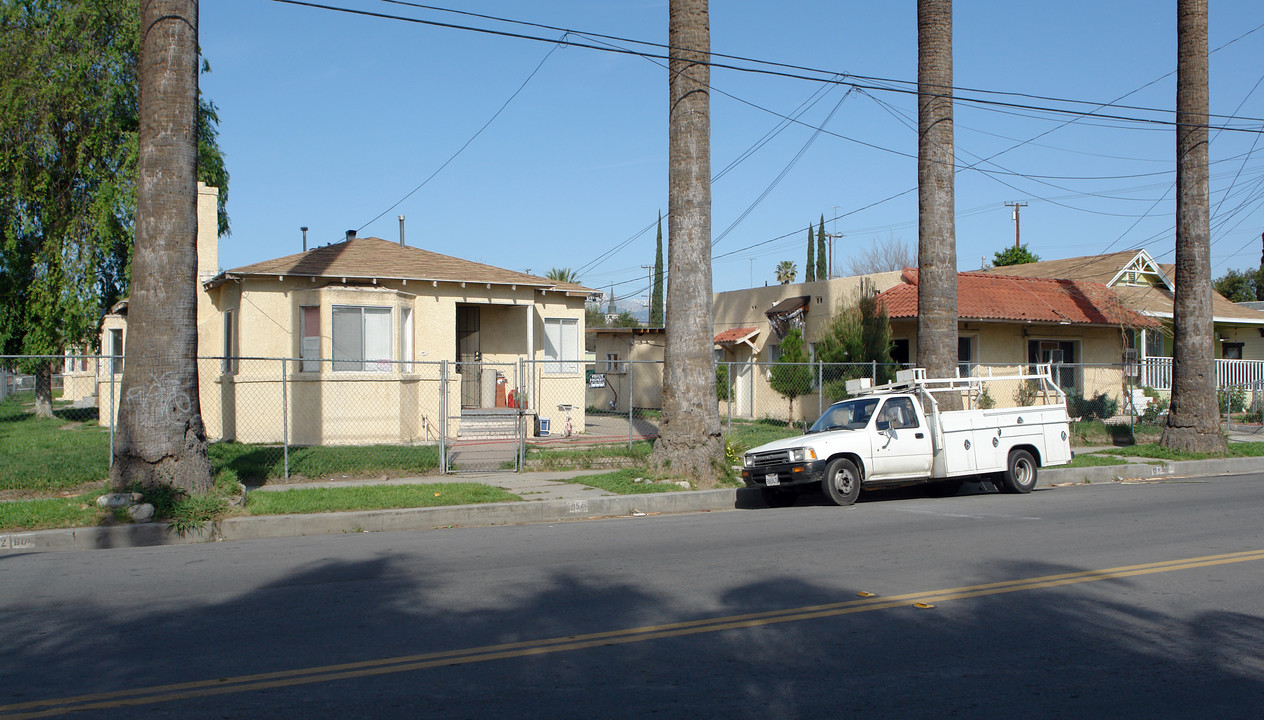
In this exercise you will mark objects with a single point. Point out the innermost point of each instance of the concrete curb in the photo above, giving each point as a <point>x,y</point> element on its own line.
<point>518,513</point>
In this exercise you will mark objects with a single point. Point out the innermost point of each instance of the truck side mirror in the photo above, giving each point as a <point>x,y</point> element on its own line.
<point>883,425</point>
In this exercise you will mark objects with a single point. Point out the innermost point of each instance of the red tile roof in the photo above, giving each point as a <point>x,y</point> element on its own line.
<point>985,296</point>
<point>735,335</point>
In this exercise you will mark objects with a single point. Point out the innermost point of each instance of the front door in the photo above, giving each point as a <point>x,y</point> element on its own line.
<point>468,356</point>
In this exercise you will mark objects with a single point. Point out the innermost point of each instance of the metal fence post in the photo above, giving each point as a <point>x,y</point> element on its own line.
<point>820,389</point>
<point>631,395</point>
<point>285,417</point>
<point>113,417</point>
<point>729,381</point>
<point>522,417</point>
<point>443,417</point>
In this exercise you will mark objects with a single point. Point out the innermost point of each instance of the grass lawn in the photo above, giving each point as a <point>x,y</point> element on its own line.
<point>46,513</point>
<point>1092,461</point>
<point>752,433</point>
<point>54,454</point>
<point>621,482</point>
<point>373,497</point>
<point>584,457</point>
<point>1158,452</point>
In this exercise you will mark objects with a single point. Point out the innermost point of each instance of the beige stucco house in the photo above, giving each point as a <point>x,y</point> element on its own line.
<point>1148,288</point>
<point>627,368</point>
<point>354,340</point>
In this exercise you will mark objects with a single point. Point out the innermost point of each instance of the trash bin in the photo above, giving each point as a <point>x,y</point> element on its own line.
<point>542,429</point>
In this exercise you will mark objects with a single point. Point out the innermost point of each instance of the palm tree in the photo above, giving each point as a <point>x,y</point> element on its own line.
<point>160,439</point>
<point>937,242</point>
<point>565,275</point>
<point>1193,421</point>
<point>786,272</point>
<point>689,434</point>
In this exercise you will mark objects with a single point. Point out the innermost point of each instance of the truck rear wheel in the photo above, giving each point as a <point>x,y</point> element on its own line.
<point>842,482</point>
<point>779,497</point>
<point>1020,473</point>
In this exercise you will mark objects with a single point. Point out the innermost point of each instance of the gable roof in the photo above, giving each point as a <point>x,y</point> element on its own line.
<point>375,258</point>
<point>1006,298</point>
<point>1112,269</point>
<point>1143,284</point>
<point>735,335</point>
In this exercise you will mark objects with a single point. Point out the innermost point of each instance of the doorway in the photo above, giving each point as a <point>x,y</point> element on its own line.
<point>469,355</point>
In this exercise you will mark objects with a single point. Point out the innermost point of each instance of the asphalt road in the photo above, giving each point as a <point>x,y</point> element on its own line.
<point>1118,600</point>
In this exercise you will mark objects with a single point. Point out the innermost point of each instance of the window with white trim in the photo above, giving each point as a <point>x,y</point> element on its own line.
<point>362,339</point>
<point>406,339</point>
<point>561,345</point>
<point>309,349</point>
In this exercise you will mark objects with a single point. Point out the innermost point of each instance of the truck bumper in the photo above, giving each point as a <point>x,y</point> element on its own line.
<point>787,475</point>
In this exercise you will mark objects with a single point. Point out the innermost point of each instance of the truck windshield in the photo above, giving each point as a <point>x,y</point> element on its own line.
<point>846,415</point>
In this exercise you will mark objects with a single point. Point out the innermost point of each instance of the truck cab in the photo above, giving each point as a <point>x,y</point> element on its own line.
<point>883,437</point>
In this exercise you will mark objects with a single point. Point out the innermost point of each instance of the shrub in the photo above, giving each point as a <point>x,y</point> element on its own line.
<point>985,401</point>
<point>1101,406</point>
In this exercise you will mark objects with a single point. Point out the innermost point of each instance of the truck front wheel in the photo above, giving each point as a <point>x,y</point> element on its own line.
<point>842,482</point>
<point>1020,473</point>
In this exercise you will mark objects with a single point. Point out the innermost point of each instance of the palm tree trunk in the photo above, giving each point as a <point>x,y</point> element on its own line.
<point>1193,421</point>
<point>689,436</point>
<point>160,439</point>
<point>937,239</point>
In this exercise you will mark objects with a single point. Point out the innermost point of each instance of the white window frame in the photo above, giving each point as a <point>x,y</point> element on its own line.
<point>353,354</point>
<point>309,343</point>
<point>406,343</point>
<point>561,346</point>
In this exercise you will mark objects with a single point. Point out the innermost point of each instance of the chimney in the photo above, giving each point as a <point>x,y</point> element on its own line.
<point>351,234</point>
<point>304,229</point>
<point>401,230</point>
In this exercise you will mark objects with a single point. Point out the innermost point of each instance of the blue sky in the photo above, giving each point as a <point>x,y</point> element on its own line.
<point>329,119</point>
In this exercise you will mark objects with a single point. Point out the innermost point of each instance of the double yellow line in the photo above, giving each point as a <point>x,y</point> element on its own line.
<point>407,663</point>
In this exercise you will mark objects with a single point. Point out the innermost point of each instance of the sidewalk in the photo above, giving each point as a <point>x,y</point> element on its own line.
<point>546,498</point>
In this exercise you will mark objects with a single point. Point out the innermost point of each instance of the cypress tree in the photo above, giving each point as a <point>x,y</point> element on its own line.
<point>656,295</point>
<point>809,269</point>
<point>822,262</point>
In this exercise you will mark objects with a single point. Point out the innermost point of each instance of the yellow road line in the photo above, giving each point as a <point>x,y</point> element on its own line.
<point>368,668</point>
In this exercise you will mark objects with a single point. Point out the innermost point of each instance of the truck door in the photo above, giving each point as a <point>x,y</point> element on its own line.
<point>900,441</point>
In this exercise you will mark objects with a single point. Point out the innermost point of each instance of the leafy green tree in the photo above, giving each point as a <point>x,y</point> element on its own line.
<point>593,316</point>
<point>791,375</point>
<point>1240,285</point>
<point>822,261</point>
<point>857,334</point>
<point>1014,255</point>
<point>809,268</point>
<point>625,319</point>
<point>68,163</point>
<point>656,296</point>
<point>786,272</point>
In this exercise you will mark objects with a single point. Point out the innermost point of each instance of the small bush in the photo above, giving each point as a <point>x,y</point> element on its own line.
<point>1234,399</point>
<point>985,400</point>
<point>1101,406</point>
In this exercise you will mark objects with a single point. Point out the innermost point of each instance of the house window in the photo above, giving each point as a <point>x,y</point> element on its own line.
<point>966,349</point>
<point>309,349</point>
<point>116,351</point>
<point>228,363</point>
<point>1231,350</point>
<point>900,352</point>
<point>362,339</point>
<point>613,365</point>
<point>406,339</point>
<point>561,345</point>
<point>1061,354</point>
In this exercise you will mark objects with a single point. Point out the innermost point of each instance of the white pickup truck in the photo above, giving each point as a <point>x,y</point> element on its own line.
<point>883,438</point>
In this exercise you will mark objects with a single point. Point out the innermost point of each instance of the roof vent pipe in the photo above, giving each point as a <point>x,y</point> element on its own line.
<point>304,229</point>
<point>351,234</point>
<point>401,230</point>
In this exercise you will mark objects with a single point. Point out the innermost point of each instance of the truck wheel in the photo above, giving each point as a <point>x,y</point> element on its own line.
<point>1020,474</point>
<point>842,482</point>
<point>779,497</point>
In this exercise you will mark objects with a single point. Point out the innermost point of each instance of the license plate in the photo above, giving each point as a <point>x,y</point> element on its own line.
<point>771,480</point>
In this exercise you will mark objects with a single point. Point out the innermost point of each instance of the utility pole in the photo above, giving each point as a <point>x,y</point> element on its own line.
<point>831,237</point>
<point>1016,206</point>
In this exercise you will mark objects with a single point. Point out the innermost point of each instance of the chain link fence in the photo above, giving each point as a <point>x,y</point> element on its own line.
<point>277,418</point>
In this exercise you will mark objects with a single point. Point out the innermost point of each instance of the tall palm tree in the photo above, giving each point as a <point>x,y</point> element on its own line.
<point>937,241</point>
<point>1193,421</point>
<point>160,439</point>
<point>786,272</point>
<point>565,274</point>
<point>689,434</point>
